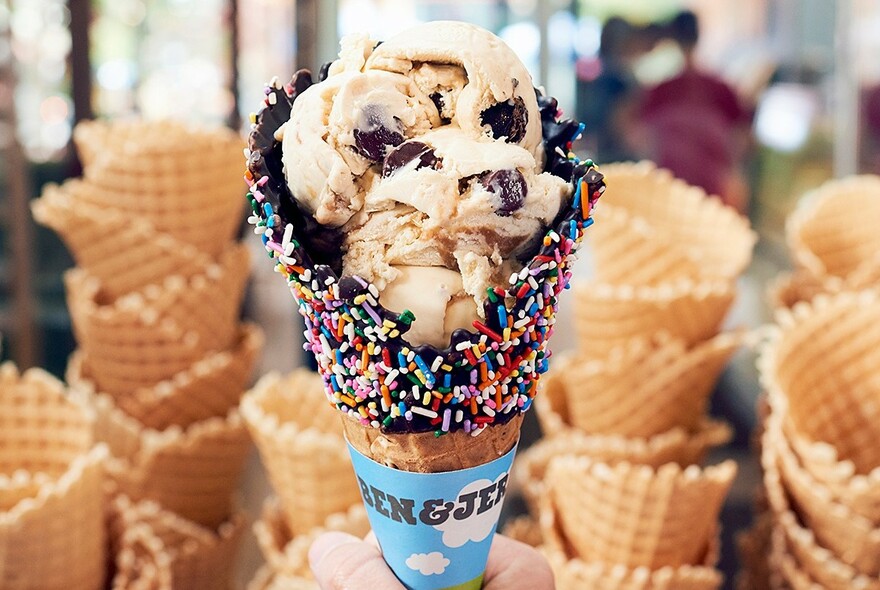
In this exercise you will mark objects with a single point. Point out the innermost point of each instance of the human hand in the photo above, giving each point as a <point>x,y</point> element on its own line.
<point>344,562</point>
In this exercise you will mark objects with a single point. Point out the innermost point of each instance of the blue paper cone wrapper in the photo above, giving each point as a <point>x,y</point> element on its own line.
<point>434,529</point>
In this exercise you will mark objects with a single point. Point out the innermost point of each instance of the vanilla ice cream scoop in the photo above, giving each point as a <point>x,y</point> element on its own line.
<point>425,152</point>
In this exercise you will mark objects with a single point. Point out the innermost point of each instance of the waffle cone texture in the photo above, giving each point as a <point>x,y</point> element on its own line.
<point>51,521</point>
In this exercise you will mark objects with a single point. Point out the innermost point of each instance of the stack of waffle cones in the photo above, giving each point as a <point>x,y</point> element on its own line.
<point>300,440</point>
<point>162,358</point>
<point>820,454</point>
<point>52,532</point>
<point>833,239</point>
<point>624,415</point>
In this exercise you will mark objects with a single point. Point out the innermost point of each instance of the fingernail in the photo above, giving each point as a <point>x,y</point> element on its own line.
<point>326,543</point>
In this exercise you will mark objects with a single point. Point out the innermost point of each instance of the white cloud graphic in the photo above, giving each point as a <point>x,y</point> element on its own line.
<point>427,563</point>
<point>476,527</point>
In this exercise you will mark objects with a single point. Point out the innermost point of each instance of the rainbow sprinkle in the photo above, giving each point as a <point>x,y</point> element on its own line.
<point>485,376</point>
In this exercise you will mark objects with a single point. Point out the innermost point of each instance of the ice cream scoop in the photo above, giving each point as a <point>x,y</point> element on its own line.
<point>425,151</point>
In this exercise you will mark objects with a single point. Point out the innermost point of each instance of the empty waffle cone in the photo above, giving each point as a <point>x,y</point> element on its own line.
<point>635,515</point>
<point>708,233</point>
<point>287,554</point>
<point>301,444</point>
<point>576,574</point>
<point>674,446</point>
<point>607,316</point>
<point>192,472</point>
<point>525,529</point>
<point>834,229</point>
<point>645,388</point>
<point>266,579</point>
<point>51,519</point>
<point>159,550</point>
<point>185,182</point>
<point>785,570</point>
<point>820,368</point>
<point>852,537</point>
<point>425,453</point>
<point>209,387</point>
<point>103,242</point>
<point>788,289</point>
<point>627,250</point>
<point>152,334</point>
<point>819,563</point>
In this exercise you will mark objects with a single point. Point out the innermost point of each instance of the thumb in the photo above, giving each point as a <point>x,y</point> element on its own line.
<point>344,562</point>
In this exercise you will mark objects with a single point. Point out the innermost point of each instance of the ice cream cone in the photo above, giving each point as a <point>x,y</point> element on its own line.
<point>192,472</point>
<point>144,169</point>
<point>710,234</point>
<point>787,289</point>
<point>51,516</point>
<point>576,574</point>
<point>645,388</point>
<point>157,549</point>
<point>852,537</point>
<point>638,516</point>
<point>210,387</point>
<point>626,250</point>
<point>819,367</point>
<point>152,334</point>
<point>287,554</point>
<point>833,231</point>
<point>786,571</point>
<point>860,493</point>
<point>607,315</point>
<point>816,561</point>
<point>102,242</point>
<point>302,447</point>
<point>674,446</point>
<point>425,453</point>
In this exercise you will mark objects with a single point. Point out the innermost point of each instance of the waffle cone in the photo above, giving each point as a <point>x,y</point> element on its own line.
<point>833,231</point>
<point>576,574</point>
<point>819,367</point>
<point>788,289</point>
<point>192,472</point>
<point>143,169</point>
<point>709,233</point>
<point>607,316</point>
<point>301,445</point>
<point>786,572</point>
<point>637,516</point>
<point>425,453</point>
<point>820,564</point>
<point>51,517</point>
<point>853,538</point>
<point>645,388</point>
<point>860,493</point>
<point>674,446</point>
<point>210,387</point>
<point>102,242</point>
<point>266,579</point>
<point>287,554</point>
<point>626,250</point>
<point>159,550</point>
<point>152,334</point>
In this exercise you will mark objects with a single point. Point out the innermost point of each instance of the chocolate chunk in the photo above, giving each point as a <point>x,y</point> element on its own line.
<point>510,186</point>
<point>324,71</point>
<point>301,80</point>
<point>349,288</point>
<point>406,153</point>
<point>377,134</point>
<point>507,119</point>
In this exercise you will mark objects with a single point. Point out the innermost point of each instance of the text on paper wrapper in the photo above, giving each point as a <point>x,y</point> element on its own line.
<point>435,511</point>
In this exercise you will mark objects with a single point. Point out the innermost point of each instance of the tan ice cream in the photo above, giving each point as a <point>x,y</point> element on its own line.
<point>427,151</point>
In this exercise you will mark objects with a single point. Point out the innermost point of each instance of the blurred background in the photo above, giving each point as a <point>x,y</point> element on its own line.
<point>757,101</point>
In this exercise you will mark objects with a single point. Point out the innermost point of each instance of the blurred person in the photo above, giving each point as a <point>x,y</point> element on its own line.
<point>607,93</point>
<point>694,124</point>
<point>344,562</point>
